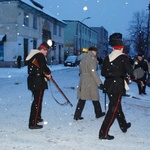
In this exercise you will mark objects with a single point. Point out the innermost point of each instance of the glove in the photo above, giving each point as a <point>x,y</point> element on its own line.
<point>101,87</point>
<point>129,80</point>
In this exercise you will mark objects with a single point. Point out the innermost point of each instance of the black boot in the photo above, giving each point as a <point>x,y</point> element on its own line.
<point>104,135</point>
<point>124,129</point>
<point>39,120</point>
<point>98,110</point>
<point>108,137</point>
<point>79,109</point>
<point>35,126</point>
<point>100,115</point>
<point>143,90</point>
<point>78,118</point>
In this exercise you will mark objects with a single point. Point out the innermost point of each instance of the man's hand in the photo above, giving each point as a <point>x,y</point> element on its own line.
<point>48,76</point>
<point>101,86</point>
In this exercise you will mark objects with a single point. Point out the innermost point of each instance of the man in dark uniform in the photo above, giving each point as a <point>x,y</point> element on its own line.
<point>37,82</point>
<point>142,63</point>
<point>115,67</point>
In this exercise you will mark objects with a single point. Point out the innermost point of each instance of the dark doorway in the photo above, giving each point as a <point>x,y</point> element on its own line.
<point>25,48</point>
<point>34,44</point>
<point>59,54</point>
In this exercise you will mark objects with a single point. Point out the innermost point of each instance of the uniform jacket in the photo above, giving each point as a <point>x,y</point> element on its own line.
<point>89,79</point>
<point>115,68</point>
<point>36,79</point>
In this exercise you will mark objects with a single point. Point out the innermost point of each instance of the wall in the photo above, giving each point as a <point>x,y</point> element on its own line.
<point>11,24</point>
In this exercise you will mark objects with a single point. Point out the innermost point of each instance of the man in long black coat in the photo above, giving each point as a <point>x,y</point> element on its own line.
<point>37,82</point>
<point>115,67</point>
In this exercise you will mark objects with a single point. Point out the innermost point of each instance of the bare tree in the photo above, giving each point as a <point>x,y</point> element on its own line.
<point>138,32</point>
<point>126,46</point>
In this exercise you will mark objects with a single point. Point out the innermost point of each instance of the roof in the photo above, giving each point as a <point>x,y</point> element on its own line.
<point>35,4</point>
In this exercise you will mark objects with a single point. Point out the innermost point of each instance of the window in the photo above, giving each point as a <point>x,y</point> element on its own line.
<point>60,31</point>
<point>26,19</point>
<point>34,43</point>
<point>85,31</point>
<point>55,29</point>
<point>34,22</point>
<point>46,35</point>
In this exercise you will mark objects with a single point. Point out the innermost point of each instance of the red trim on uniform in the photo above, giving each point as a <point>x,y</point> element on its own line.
<point>43,47</point>
<point>37,110</point>
<point>118,47</point>
<point>113,116</point>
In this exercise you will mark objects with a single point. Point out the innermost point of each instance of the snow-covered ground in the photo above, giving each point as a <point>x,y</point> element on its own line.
<point>60,131</point>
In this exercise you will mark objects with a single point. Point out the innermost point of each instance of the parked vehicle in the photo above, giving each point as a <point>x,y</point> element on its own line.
<point>71,61</point>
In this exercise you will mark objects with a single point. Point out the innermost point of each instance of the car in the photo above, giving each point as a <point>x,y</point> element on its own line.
<point>71,61</point>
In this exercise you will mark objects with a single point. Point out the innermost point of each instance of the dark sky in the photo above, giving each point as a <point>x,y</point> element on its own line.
<point>114,15</point>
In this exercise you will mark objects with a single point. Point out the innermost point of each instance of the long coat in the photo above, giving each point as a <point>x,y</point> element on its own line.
<point>36,78</point>
<point>89,79</point>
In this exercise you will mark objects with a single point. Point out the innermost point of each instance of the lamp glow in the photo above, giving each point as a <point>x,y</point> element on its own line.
<point>49,42</point>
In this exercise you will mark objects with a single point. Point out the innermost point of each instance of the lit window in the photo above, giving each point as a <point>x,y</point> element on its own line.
<point>26,19</point>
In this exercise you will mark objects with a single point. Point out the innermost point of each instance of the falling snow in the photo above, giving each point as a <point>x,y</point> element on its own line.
<point>106,13</point>
<point>85,8</point>
<point>60,131</point>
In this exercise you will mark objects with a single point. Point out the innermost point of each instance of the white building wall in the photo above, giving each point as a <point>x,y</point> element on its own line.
<point>11,24</point>
<point>10,51</point>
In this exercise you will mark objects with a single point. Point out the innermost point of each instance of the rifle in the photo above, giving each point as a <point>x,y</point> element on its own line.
<point>134,97</point>
<point>105,102</point>
<point>61,91</point>
<point>35,62</point>
<point>135,80</point>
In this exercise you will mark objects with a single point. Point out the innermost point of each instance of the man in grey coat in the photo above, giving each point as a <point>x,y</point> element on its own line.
<point>89,84</point>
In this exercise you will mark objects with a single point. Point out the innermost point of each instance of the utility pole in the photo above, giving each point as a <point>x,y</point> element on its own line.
<point>148,32</point>
<point>76,38</point>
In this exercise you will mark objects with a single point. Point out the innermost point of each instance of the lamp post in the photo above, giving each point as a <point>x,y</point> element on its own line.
<point>76,39</point>
<point>81,33</point>
<point>86,18</point>
<point>148,30</point>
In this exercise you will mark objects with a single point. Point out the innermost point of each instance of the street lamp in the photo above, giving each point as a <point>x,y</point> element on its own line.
<point>86,18</point>
<point>81,33</point>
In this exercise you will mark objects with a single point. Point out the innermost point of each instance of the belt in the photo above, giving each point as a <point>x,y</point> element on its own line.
<point>37,75</point>
<point>114,77</point>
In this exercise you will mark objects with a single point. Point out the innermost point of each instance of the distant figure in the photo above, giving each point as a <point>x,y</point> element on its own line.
<point>100,61</point>
<point>19,58</point>
<point>84,52</point>
<point>142,63</point>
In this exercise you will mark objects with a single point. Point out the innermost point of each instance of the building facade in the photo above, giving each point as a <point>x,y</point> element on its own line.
<point>102,41</point>
<point>78,36</point>
<point>24,26</point>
